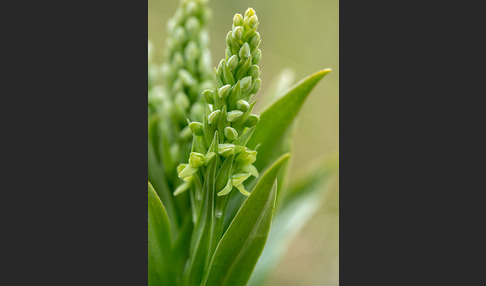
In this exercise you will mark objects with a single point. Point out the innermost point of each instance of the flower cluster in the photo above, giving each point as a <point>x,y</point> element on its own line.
<point>187,70</point>
<point>228,122</point>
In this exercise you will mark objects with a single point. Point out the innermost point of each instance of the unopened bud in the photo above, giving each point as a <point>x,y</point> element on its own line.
<point>247,157</point>
<point>196,160</point>
<point>245,83</point>
<point>180,35</point>
<point>224,91</point>
<point>230,133</point>
<point>234,115</point>
<point>242,105</point>
<point>229,39</point>
<point>193,27</point>
<point>178,60</point>
<point>238,20</point>
<point>182,101</point>
<point>245,51</point>
<point>257,55</point>
<point>255,41</point>
<point>254,72</point>
<point>196,128</point>
<point>208,96</point>
<point>256,86</point>
<point>191,8</point>
<point>253,21</point>
<point>233,62</point>
<point>249,12</point>
<point>213,117</point>
<point>238,33</point>
<point>252,120</point>
<point>239,149</point>
<point>186,77</point>
<point>226,150</point>
<point>192,51</point>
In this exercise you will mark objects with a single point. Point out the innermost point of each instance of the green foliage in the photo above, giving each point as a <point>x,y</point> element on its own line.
<point>210,217</point>
<point>159,242</point>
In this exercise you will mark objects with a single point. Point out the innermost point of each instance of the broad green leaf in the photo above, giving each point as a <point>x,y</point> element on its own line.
<point>156,177</point>
<point>241,245</point>
<point>201,239</point>
<point>160,270</point>
<point>180,249</point>
<point>276,119</point>
<point>279,84</point>
<point>304,199</point>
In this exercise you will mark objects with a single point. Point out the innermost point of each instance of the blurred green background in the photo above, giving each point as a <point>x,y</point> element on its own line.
<point>302,35</point>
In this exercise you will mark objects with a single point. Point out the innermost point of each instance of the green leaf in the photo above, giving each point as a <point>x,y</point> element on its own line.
<point>243,242</point>
<point>304,199</point>
<point>201,238</point>
<point>156,176</point>
<point>278,85</point>
<point>276,119</point>
<point>160,270</point>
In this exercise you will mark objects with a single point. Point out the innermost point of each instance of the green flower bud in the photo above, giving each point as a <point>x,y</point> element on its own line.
<point>191,52</point>
<point>208,96</point>
<point>193,27</point>
<point>253,21</point>
<point>186,77</point>
<point>238,33</point>
<point>249,12</point>
<point>191,8</point>
<point>254,72</point>
<point>233,63</point>
<point>242,105</point>
<point>245,83</point>
<point>256,86</point>
<point>247,157</point>
<point>234,95</point>
<point>219,70</point>
<point>226,150</point>
<point>255,41</point>
<point>252,120</point>
<point>182,101</point>
<point>224,91</point>
<point>196,128</point>
<point>257,55</point>
<point>242,71</point>
<point>238,20</point>
<point>239,149</point>
<point>228,75</point>
<point>213,117</point>
<point>177,61</point>
<point>230,133</point>
<point>245,51</point>
<point>234,115</point>
<point>180,36</point>
<point>196,160</point>
<point>229,39</point>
